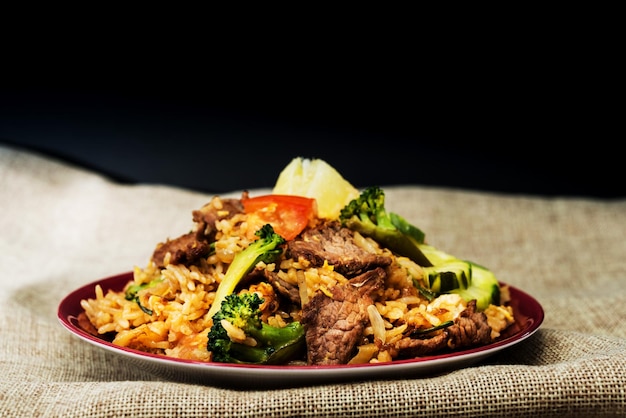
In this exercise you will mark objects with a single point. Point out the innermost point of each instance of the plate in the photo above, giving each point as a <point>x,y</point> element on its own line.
<point>528,312</point>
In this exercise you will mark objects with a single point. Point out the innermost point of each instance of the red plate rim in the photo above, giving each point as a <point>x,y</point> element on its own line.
<point>528,313</point>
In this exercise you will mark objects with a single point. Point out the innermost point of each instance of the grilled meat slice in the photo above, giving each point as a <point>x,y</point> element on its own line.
<point>186,249</point>
<point>470,329</point>
<point>284,288</point>
<point>335,244</point>
<point>189,248</point>
<point>334,325</point>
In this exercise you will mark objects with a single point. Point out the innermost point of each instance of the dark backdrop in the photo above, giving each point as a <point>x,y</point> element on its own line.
<point>220,137</point>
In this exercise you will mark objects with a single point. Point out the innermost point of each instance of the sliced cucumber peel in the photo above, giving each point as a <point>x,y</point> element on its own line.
<point>469,280</point>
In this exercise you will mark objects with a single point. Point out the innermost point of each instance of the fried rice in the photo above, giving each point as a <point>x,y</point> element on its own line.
<point>171,318</point>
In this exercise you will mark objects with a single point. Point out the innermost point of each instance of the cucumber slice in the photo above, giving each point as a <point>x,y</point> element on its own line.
<point>435,256</point>
<point>448,276</point>
<point>406,228</point>
<point>484,288</point>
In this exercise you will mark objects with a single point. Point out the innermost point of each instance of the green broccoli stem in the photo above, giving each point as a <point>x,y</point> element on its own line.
<point>367,215</point>
<point>383,220</point>
<point>266,248</point>
<point>393,239</point>
<point>275,345</point>
<point>276,337</point>
<point>406,228</point>
<point>241,265</point>
<point>244,354</point>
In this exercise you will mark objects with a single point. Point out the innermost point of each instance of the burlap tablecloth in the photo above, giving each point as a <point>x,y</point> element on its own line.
<point>63,227</point>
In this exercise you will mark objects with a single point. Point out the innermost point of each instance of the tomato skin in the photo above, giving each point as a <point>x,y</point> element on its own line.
<point>288,214</point>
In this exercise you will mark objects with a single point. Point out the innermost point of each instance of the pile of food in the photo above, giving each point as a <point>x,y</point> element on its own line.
<point>315,273</point>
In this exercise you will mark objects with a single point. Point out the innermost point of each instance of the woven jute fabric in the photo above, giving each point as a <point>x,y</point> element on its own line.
<point>63,227</point>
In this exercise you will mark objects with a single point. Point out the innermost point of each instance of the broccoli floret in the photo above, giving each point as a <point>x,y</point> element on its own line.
<point>443,272</point>
<point>266,248</point>
<point>367,215</point>
<point>273,345</point>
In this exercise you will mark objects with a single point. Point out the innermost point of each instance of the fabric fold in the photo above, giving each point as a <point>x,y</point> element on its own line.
<point>63,227</point>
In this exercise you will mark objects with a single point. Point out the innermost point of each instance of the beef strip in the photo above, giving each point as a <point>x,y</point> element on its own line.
<point>334,325</point>
<point>326,242</point>
<point>335,244</point>
<point>190,247</point>
<point>470,328</point>
<point>284,288</point>
<point>186,249</point>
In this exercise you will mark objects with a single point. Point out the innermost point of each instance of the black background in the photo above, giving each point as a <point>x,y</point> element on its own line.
<point>231,132</point>
<point>527,103</point>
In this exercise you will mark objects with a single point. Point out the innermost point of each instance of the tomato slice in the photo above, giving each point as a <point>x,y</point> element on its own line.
<point>288,214</point>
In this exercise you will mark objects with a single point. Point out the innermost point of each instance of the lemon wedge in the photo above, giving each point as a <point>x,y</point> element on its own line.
<point>317,179</point>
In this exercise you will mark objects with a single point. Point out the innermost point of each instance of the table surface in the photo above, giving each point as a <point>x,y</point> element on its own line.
<point>64,226</point>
